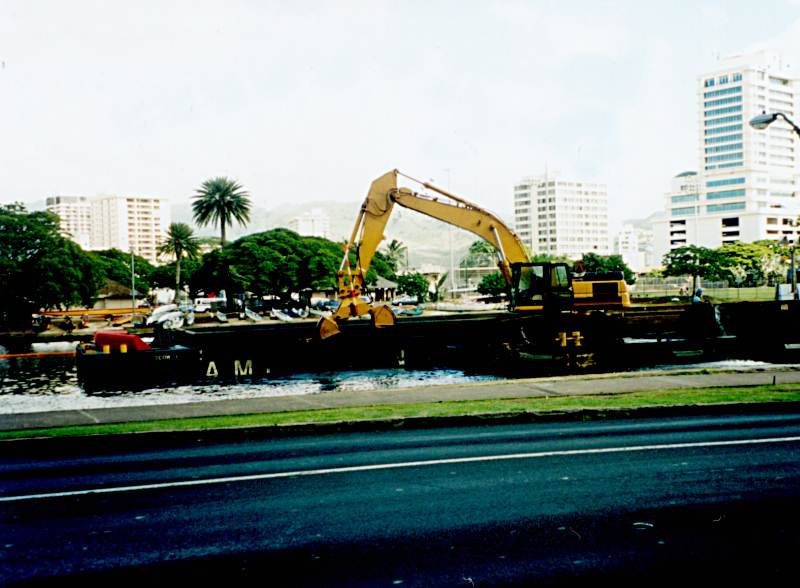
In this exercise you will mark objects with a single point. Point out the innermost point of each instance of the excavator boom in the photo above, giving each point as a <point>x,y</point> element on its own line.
<point>368,232</point>
<point>533,286</point>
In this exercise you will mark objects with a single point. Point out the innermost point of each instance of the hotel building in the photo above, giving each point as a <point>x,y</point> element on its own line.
<point>127,223</point>
<point>561,217</point>
<point>748,179</point>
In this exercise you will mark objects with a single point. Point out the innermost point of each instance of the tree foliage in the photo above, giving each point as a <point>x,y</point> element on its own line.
<point>607,263</point>
<point>413,285</point>
<point>396,255</point>
<point>220,201</point>
<point>493,285</point>
<point>277,262</point>
<point>115,265</point>
<point>180,243</point>
<point>745,264</point>
<point>40,269</point>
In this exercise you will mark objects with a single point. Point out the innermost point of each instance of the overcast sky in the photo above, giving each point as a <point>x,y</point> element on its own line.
<point>311,101</point>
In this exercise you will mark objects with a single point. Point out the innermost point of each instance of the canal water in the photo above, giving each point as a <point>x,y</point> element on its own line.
<point>50,382</point>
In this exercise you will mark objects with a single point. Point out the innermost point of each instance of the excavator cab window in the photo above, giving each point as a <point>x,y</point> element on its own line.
<point>540,284</point>
<point>530,285</point>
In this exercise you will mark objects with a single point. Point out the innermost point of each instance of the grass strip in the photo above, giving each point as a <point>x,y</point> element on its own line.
<point>488,407</point>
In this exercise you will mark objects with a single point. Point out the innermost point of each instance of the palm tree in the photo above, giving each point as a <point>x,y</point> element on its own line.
<point>180,243</point>
<point>221,200</point>
<point>398,253</point>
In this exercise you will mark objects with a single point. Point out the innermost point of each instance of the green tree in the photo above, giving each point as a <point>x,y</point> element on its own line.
<point>695,261</point>
<point>163,276</point>
<point>437,287</point>
<point>396,254</point>
<point>180,243</point>
<point>751,264</point>
<point>277,262</point>
<point>115,265</point>
<point>413,285</point>
<point>220,201</point>
<point>607,263</point>
<point>481,254</point>
<point>493,285</point>
<point>40,269</point>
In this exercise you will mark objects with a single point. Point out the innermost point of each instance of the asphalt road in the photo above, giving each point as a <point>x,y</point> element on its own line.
<point>662,500</point>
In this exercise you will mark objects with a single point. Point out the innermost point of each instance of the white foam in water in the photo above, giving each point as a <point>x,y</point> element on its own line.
<point>46,394</point>
<point>725,364</point>
<point>46,384</point>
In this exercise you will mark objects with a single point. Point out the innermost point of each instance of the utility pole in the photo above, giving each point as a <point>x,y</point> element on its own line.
<point>450,236</point>
<point>133,286</point>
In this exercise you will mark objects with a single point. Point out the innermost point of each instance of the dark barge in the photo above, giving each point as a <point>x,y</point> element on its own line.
<point>499,342</point>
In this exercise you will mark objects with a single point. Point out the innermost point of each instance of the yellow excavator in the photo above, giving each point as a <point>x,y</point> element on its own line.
<point>534,286</point>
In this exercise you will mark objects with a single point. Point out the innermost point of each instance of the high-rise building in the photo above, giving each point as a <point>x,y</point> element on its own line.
<point>127,223</point>
<point>313,223</point>
<point>561,217</point>
<point>634,243</point>
<point>748,179</point>
<point>75,214</point>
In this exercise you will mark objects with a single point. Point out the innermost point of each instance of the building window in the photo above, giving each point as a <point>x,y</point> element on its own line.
<point>737,77</point>
<point>724,157</point>
<point>725,207</point>
<point>724,139</point>
<point>726,110</point>
<point>723,92</point>
<point>721,148</point>
<point>724,194</point>
<point>730,221</point>
<point>725,182</point>
<point>708,83</point>
<point>684,210</point>
<point>721,101</point>
<point>684,198</point>
<point>724,120</point>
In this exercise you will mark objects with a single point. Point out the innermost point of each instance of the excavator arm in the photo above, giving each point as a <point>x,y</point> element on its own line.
<point>368,233</point>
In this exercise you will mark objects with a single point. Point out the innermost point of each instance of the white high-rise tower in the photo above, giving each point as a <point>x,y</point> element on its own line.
<point>748,179</point>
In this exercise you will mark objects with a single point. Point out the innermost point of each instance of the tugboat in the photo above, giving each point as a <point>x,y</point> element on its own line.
<point>116,356</point>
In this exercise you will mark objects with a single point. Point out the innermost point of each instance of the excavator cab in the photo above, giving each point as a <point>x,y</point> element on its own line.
<point>536,286</point>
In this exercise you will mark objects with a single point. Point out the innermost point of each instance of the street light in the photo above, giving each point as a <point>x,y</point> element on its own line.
<point>763,120</point>
<point>786,243</point>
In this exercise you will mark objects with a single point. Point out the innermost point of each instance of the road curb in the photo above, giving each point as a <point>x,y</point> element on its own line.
<point>30,446</point>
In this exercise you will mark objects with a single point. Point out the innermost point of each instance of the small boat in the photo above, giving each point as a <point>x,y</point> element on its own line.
<point>172,320</point>
<point>156,315</point>
<point>407,310</point>
<point>117,359</point>
<point>252,315</point>
<point>280,315</point>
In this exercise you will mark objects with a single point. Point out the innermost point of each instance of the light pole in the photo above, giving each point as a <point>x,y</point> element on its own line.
<point>761,122</point>
<point>791,244</point>
<point>133,286</point>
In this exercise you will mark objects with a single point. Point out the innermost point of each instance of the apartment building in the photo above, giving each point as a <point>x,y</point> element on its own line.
<point>127,223</point>
<point>561,217</point>
<point>634,243</point>
<point>75,214</point>
<point>748,179</point>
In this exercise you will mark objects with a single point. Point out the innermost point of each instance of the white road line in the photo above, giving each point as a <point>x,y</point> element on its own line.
<point>390,466</point>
